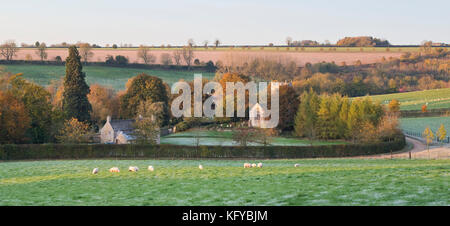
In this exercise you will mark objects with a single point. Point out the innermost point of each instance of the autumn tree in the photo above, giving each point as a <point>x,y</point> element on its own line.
<point>42,51</point>
<point>441,133</point>
<point>74,131</point>
<point>307,115</point>
<point>144,88</point>
<point>8,50</point>
<point>86,52</point>
<point>104,102</point>
<point>75,103</point>
<point>148,122</point>
<point>429,136</point>
<point>394,106</point>
<point>14,120</point>
<point>288,101</point>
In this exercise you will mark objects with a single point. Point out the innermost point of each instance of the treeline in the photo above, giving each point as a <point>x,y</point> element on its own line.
<point>429,69</point>
<point>336,117</point>
<point>362,41</point>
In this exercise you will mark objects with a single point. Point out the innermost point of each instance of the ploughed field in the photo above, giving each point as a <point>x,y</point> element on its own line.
<point>114,77</point>
<point>226,182</point>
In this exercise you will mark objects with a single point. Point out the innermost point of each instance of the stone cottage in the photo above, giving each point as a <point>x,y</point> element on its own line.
<point>256,114</point>
<point>118,132</point>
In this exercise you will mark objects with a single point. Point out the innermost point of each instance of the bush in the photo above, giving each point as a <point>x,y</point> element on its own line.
<point>127,151</point>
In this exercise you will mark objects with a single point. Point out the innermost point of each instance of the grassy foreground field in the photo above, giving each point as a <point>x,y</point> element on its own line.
<point>436,99</point>
<point>180,182</point>
<point>108,76</point>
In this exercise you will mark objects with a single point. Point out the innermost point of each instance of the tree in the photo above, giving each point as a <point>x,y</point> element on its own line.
<point>114,46</point>
<point>149,120</point>
<point>144,88</point>
<point>394,106</point>
<point>8,50</point>
<point>217,43</point>
<point>288,107</point>
<point>104,102</point>
<point>424,108</point>
<point>86,52</point>
<point>243,135</point>
<point>75,103</point>
<point>37,44</point>
<point>205,43</point>
<point>441,133</point>
<point>177,56</point>
<point>429,136</point>
<point>191,43</point>
<point>14,120</point>
<point>42,51</point>
<point>288,41</point>
<point>166,59</point>
<point>145,55</point>
<point>188,55</point>
<point>306,117</point>
<point>74,131</point>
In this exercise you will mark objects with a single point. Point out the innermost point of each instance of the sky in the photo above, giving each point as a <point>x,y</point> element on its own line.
<point>233,22</point>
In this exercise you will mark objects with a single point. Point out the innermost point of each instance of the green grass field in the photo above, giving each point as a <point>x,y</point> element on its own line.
<point>436,99</point>
<point>419,124</point>
<point>224,138</point>
<point>226,182</point>
<point>109,76</point>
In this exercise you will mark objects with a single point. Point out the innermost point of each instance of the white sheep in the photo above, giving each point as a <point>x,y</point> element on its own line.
<point>247,165</point>
<point>253,165</point>
<point>150,168</point>
<point>114,170</point>
<point>133,168</point>
<point>297,165</point>
<point>200,167</point>
<point>260,165</point>
<point>95,171</point>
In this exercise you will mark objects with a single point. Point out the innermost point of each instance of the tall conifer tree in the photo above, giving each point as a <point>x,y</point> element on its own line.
<point>75,102</point>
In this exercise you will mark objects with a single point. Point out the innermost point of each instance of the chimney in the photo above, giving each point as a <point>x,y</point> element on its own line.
<point>108,119</point>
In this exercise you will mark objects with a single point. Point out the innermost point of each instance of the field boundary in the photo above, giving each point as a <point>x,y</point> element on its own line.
<point>166,151</point>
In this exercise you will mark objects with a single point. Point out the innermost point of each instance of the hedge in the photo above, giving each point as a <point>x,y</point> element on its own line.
<point>131,151</point>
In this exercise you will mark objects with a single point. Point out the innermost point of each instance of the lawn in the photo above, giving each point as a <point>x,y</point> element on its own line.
<point>226,182</point>
<point>435,98</point>
<point>419,124</point>
<point>224,138</point>
<point>109,76</point>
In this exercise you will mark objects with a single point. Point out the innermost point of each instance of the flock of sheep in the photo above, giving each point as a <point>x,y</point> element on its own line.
<point>150,168</point>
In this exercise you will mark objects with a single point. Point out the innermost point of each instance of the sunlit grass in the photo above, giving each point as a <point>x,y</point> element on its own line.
<point>226,182</point>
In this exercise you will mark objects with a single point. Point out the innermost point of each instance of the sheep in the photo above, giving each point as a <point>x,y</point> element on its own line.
<point>253,165</point>
<point>247,165</point>
<point>114,170</point>
<point>133,168</point>
<point>150,168</point>
<point>95,171</point>
<point>200,167</point>
<point>297,165</point>
<point>260,165</point>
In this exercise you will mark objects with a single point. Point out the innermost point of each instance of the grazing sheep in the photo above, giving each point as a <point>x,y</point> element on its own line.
<point>260,165</point>
<point>150,168</point>
<point>200,167</point>
<point>253,165</point>
<point>296,165</point>
<point>95,171</point>
<point>247,165</point>
<point>114,170</point>
<point>133,168</point>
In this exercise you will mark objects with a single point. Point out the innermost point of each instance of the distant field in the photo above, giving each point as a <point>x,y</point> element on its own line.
<point>225,182</point>
<point>108,76</point>
<point>419,124</point>
<point>224,138</point>
<point>436,99</point>
<point>238,55</point>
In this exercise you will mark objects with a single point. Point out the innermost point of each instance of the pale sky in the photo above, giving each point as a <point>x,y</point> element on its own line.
<point>231,21</point>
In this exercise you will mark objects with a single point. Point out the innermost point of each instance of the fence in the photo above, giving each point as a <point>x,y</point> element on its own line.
<point>420,136</point>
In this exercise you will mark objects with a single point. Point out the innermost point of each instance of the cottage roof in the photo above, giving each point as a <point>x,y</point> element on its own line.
<point>122,125</point>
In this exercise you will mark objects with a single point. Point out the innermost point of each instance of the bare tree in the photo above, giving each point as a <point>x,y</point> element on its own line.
<point>177,56</point>
<point>42,51</point>
<point>188,55</point>
<point>217,42</point>
<point>8,49</point>
<point>205,43</point>
<point>289,41</point>
<point>86,52</point>
<point>191,42</point>
<point>144,54</point>
<point>166,59</point>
